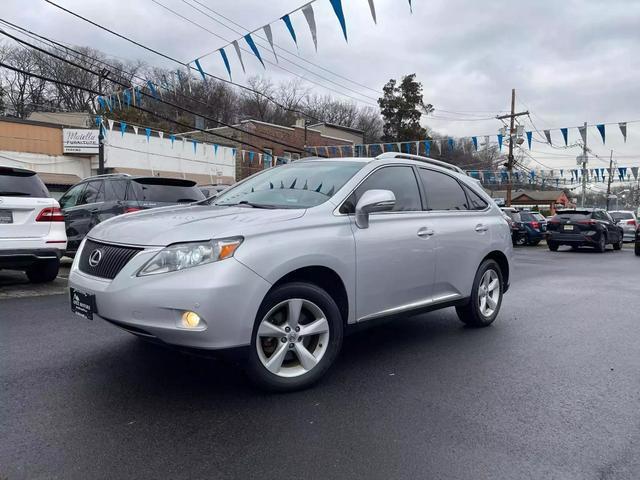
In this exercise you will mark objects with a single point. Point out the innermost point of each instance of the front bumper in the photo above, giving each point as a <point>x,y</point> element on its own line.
<point>225,294</point>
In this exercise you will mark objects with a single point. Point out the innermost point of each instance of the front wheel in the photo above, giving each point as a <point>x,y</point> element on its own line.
<point>553,246</point>
<point>296,337</point>
<point>486,296</point>
<point>534,243</point>
<point>637,249</point>
<point>602,244</point>
<point>618,245</point>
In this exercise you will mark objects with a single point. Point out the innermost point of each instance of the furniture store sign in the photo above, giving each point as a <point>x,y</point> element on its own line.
<point>80,141</point>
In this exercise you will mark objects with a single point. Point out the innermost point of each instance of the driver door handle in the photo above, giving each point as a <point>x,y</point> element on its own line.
<point>425,232</point>
<point>480,228</point>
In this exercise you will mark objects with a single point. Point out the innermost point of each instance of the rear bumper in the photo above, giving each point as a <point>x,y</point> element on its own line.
<point>573,239</point>
<point>24,258</point>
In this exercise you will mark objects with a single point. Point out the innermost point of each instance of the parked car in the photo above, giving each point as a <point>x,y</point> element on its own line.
<point>212,190</point>
<point>628,221</point>
<point>584,228</point>
<point>518,230</point>
<point>637,245</point>
<point>535,225</point>
<point>99,198</point>
<point>281,272</point>
<point>32,234</point>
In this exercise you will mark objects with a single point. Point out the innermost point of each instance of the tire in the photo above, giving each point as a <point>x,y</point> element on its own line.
<point>289,373</point>
<point>521,240</point>
<point>637,250</point>
<point>618,245</point>
<point>553,246</point>
<point>534,243</point>
<point>472,314</point>
<point>602,243</point>
<point>43,271</point>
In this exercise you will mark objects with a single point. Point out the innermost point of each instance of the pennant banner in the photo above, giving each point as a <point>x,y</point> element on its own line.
<point>237,48</point>
<point>287,21</point>
<point>253,48</point>
<point>311,21</point>
<point>267,31</point>
<point>337,7</point>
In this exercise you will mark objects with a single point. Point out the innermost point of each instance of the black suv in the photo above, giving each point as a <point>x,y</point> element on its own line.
<point>104,196</point>
<point>584,228</point>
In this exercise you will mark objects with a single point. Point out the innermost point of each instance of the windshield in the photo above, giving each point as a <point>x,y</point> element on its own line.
<point>295,185</point>
<point>21,183</point>
<point>621,215</point>
<point>166,190</point>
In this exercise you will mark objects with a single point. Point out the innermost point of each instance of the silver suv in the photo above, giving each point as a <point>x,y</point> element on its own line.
<point>283,262</point>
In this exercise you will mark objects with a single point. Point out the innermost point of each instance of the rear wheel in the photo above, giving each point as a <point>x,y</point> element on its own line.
<point>296,337</point>
<point>618,245</point>
<point>521,240</point>
<point>553,246</point>
<point>486,296</point>
<point>637,249</point>
<point>602,243</point>
<point>43,271</point>
<point>534,243</point>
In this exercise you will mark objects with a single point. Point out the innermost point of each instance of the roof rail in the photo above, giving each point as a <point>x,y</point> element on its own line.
<point>421,159</point>
<point>109,175</point>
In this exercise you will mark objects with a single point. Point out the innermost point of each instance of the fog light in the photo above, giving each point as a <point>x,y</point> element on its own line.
<point>190,319</point>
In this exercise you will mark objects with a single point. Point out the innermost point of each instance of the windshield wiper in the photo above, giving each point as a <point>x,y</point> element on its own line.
<point>14,194</point>
<point>247,203</point>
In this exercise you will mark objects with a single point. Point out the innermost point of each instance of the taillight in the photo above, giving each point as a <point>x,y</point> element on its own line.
<point>587,222</point>
<point>50,214</point>
<point>632,222</point>
<point>131,209</point>
<point>535,225</point>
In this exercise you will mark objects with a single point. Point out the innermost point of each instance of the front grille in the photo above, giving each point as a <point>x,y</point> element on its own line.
<point>113,258</point>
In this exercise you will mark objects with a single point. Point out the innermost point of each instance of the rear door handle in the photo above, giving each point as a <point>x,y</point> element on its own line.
<point>425,232</point>
<point>481,228</point>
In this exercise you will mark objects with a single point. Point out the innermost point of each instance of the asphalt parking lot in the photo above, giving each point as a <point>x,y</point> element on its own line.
<point>551,390</point>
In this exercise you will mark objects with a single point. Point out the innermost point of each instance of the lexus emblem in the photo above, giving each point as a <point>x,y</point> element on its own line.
<point>95,257</point>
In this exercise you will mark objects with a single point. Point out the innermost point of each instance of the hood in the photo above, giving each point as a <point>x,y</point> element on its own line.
<point>164,226</point>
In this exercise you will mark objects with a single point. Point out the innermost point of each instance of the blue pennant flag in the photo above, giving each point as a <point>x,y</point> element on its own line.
<point>475,142</point>
<point>215,148</point>
<point>407,147</point>
<point>451,144</point>
<point>410,7</point>
<point>147,131</point>
<point>532,174</point>
<point>333,150</point>
<point>337,7</point>
<point>622,173</point>
<point>500,141</point>
<point>152,89</point>
<point>98,120</point>
<point>233,153</point>
<point>427,147</point>
<point>345,150</point>
<point>251,154</point>
<point>223,54</point>
<point>388,147</point>
<point>199,67</point>
<point>127,97</point>
<point>565,135</point>
<point>601,130</point>
<point>505,176</point>
<point>101,102</point>
<point>529,136</point>
<point>287,22</point>
<point>253,47</point>
<point>561,172</point>
<point>173,139</point>
<point>123,128</point>
<point>195,145</point>
<point>138,96</point>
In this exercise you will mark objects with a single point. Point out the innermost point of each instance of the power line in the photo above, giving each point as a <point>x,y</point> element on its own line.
<point>156,52</point>
<point>296,148</point>
<point>179,15</point>
<point>275,44</point>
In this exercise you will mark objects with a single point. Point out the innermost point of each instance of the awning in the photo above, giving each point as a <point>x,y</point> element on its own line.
<point>67,179</point>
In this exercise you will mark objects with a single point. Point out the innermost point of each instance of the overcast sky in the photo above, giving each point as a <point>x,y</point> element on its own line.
<point>570,61</point>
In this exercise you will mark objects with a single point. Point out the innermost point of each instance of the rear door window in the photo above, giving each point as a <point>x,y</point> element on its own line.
<point>94,193</point>
<point>443,192</point>
<point>15,182</point>
<point>73,195</point>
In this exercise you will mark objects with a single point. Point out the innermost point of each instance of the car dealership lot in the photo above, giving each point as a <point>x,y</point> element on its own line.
<point>549,391</point>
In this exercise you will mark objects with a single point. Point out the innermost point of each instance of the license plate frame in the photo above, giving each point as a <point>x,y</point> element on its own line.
<point>6,217</point>
<point>567,228</point>
<point>82,304</point>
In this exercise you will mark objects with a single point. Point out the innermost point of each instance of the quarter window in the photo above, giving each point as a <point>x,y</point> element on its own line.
<point>443,192</point>
<point>115,190</point>
<point>94,192</point>
<point>475,201</point>
<point>400,180</point>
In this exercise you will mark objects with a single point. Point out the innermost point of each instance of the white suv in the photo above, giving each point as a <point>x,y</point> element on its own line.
<point>32,232</point>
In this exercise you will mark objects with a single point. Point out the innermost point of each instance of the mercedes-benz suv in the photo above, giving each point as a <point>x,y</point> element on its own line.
<point>281,264</point>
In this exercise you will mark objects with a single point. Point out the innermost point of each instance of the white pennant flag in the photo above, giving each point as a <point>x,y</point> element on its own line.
<point>259,159</point>
<point>442,147</point>
<point>486,141</point>
<point>417,148</point>
<point>110,122</point>
<point>269,35</point>
<point>243,152</point>
<point>366,149</point>
<point>237,47</point>
<point>623,130</point>
<point>135,129</point>
<point>311,20</point>
<point>372,7</point>
<point>399,146</point>
<point>583,133</point>
<point>161,134</point>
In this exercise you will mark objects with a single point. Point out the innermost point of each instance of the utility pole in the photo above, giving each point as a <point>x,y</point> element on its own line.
<point>512,117</point>
<point>584,167</point>
<point>103,74</point>
<point>609,179</point>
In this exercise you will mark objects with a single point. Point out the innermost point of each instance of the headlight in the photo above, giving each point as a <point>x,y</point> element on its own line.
<point>185,255</point>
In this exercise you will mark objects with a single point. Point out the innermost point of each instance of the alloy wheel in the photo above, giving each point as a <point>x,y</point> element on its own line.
<point>292,338</point>
<point>489,293</point>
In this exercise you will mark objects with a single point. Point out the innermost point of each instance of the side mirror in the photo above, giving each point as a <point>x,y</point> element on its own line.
<point>373,201</point>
